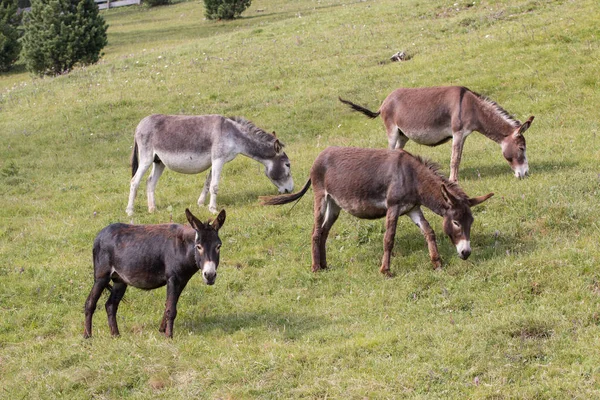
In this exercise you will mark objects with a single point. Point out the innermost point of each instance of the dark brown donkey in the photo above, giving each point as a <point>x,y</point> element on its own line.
<point>151,256</point>
<point>432,116</point>
<point>376,183</point>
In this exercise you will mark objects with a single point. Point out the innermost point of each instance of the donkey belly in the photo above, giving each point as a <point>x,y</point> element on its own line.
<point>185,163</point>
<point>429,136</point>
<point>140,278</point>
<point>363,208</point>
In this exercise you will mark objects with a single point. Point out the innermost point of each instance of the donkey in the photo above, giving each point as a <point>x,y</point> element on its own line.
<point>376,183</point>
<point>192,144</point>
<point>151,256</point>
<point>432,116</point>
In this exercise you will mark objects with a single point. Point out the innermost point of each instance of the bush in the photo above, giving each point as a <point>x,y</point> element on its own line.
<point>9,34</point>
<point>62,33</point>
<point>154,3</point>
<point>225,9</point>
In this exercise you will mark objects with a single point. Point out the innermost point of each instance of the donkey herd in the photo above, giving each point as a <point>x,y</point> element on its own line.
<point>366,183</point>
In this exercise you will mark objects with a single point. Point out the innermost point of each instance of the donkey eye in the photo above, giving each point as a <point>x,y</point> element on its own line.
<point>199,248</point>
<point>218,248</point>
<point>287,164</point>
<point>456,224</point>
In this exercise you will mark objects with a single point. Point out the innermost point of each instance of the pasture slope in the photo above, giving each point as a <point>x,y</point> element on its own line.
<point>519,319</point>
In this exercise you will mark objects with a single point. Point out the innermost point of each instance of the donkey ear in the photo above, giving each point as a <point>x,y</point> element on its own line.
<point>194,222</point>
<point>278,146</point>
<point>448,197</point>
<point>526,125</point>
<point>478,200</point>
<point>274,134</point>
<point>219,221</point>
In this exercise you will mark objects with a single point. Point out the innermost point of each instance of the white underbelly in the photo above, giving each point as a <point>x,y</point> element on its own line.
<point>186,163</point>
<point>429,137</point>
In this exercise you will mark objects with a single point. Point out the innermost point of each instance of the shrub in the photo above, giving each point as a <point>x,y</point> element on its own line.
<point>154,3</point>
<point>62,33</point>
<point>9,34</point>
<point>225,9</point>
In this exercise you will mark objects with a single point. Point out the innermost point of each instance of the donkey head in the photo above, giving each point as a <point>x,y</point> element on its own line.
<point>458,220</point>
<point>207,244</point>
<point>513,149</point>
<point>278,169</point>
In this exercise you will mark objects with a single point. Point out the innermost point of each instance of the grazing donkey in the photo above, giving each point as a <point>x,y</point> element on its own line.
<point>432,116</point>
<point>192,144</point>
<point>151,256</point>
<point>376,183</point>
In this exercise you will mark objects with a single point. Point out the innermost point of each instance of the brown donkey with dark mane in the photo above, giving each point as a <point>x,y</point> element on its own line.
<point>376,183</point>
<point>432,116</point>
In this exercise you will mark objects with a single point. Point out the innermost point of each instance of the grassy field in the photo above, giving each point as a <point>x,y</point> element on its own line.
<point>519,319</point>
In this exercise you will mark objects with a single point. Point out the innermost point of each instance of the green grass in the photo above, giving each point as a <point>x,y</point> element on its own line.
<point>519,319</point>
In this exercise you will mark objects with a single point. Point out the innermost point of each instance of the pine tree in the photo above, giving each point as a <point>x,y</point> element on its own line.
<point>9,34</point>
<point>62,33</point>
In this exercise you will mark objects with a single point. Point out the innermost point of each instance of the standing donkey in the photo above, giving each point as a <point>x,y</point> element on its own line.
<point>192,144</point>
<point>432,116</point>
<point>376,183</point>
<point>151,256</point>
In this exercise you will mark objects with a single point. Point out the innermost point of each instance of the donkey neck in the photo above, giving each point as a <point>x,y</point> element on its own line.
<point>428,187</point>
<point>254,143</point>
<point>493,121</point>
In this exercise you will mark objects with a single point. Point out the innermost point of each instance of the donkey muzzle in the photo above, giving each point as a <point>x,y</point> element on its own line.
<point>463,248</point>
<point>209,273</point>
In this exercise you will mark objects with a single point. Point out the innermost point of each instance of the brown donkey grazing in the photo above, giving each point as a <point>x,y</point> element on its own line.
<point>151,256</point>
<point>376,183</point>
<point>432,116</point>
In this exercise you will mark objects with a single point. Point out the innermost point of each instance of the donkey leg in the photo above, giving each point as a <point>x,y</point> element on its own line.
<point>174,289</point>
<point>402,140</point>
<point>157,170</point>
<point>145,162</point>
<point>332,212</point>
<point>217,167</point>
<point>458,141</point>
<point>391,221</point>
<point>112,304</point>
<point>319,212</point>
<point>417,217</point>
<point>204,192</point>
<point>90,304</point>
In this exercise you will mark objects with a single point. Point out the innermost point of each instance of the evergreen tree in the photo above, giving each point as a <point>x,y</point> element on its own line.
<point>62,33</point>
<point>9,34</point>
<point>225,9</point>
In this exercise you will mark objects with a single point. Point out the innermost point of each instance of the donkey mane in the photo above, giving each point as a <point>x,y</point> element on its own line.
<point>250,129</point>
<point>435,168</point>
<point>499,110</point>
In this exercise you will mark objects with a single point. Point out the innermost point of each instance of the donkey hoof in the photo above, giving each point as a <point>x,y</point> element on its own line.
<point>437,265</point>
<point>213,209</point>
<point>129,212</point>
<point>387,273</point>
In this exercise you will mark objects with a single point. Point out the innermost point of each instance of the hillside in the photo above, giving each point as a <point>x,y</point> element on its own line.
<point>519,319</point>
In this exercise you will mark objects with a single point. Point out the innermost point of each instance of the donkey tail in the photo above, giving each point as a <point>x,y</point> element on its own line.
<point>284,198</point>
<point>134,159</point>
<point>361,109</point>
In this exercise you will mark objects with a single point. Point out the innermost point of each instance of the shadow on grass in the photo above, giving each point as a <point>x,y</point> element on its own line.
<point>292,325</point>
<point>501,168</point>
<point>16,69</point>
<point>484,247</point>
